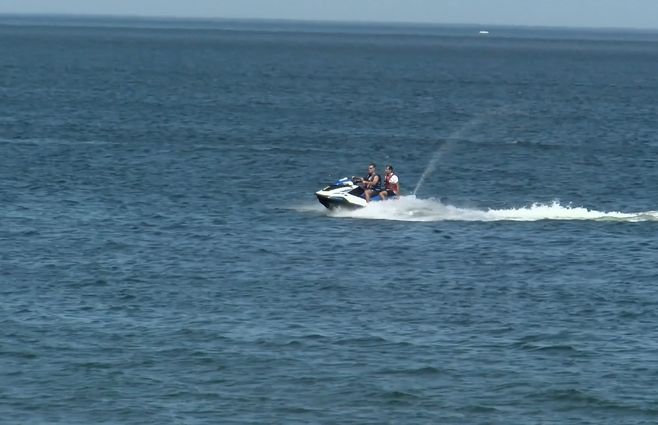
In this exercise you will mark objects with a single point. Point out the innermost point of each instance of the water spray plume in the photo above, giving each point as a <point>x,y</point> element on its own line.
<point>452,140</point>
<point>450,143</point>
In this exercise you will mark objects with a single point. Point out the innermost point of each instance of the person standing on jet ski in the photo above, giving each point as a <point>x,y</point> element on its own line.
<point>391,184</point>
<point>372,183</point>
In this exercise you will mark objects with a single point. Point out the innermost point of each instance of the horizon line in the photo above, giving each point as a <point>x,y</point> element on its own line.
<point>319,21</point>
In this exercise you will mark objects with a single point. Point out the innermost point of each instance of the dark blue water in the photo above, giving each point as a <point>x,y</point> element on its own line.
<point>163,259</point>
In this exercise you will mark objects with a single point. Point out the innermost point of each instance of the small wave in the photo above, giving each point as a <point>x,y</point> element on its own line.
<point>577,399</point>
<point>296,410</point>
<point>478,408</point>
<point>313,337</point>
<point>363,341</point>
<point>20,354</point>
<point>560,348</point>
<point>410,208</point>
<point>52,141</point>
<point>419,371</point>
<point>95,365</point>
<point>395,396</point>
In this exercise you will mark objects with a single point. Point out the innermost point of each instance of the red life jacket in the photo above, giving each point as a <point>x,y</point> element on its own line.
<point>391,186</point>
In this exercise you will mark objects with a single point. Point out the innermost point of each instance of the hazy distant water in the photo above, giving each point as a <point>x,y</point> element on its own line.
<point>163,259</point>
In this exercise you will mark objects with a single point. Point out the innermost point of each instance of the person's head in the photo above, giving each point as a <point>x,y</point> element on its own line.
<point>389,169</point>
<point>372,168</point>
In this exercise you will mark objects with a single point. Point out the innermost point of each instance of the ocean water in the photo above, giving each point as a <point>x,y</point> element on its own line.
<point>163,259</point>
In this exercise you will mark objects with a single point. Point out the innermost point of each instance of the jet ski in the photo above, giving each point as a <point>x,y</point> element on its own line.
<point>344,193</point>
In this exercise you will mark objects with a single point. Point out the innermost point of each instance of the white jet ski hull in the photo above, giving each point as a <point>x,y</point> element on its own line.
<point>343,194</point>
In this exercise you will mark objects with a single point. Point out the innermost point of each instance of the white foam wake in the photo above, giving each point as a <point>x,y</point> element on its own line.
<point>410,208</point>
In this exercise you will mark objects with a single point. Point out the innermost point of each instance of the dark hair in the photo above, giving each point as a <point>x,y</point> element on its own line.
<point>373,165</point>
<point>390,167</point>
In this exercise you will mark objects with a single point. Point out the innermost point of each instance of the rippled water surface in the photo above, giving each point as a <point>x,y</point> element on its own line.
<point>163,259</point>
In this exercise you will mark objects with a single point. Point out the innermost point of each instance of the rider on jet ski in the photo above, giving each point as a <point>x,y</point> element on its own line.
<point>372,183</point>
<point>391,184</point>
